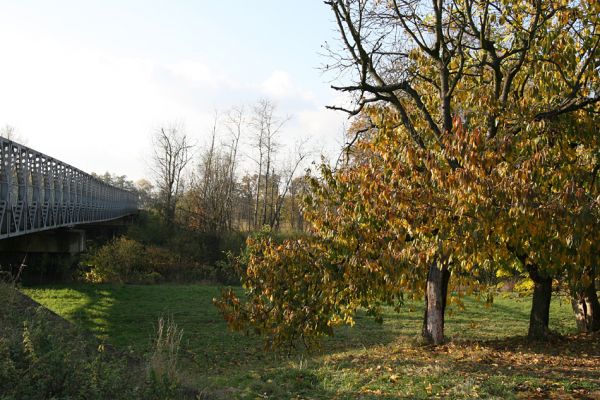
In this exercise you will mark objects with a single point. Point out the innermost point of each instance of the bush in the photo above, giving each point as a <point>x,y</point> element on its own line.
<point>206,247</point>
<point>125,260</point>
<point>121,261</point>
<point>225,271</point>
<point>201,247</point>
<point>149,229</point>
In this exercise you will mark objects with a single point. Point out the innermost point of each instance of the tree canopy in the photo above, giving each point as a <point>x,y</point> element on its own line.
<point>475,151</point>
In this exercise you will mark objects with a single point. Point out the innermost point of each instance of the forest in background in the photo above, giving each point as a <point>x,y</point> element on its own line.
<point>204,200</point>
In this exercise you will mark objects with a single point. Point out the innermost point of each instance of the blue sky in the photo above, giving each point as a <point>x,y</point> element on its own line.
<point>88,81</point>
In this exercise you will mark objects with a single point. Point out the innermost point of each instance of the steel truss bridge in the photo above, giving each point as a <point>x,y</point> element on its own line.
<point>39,193</point>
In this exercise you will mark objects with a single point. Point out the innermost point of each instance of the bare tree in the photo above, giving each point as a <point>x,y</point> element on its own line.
<point>171,156</point>
<point>235,123</point>
<point>267,126</point>
<point>298,188</point>
<point>210,205</point>
<point>288,173</point>
<point>145,193</point>
<point>9,132</point>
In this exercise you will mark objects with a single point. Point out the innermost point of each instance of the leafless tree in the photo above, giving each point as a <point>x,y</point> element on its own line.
<point>9,132</point>
<point>235,123</point>
<point>172,153</point>
<point>217,199</point>
<point>145,193</point>
<point>210,206</point>
<point>267,126</point>
<point>298,188</point>
<point>288,173</point>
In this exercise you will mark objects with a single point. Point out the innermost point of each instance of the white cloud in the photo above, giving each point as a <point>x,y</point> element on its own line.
<point>97,110</point>
<point>89,108</point>
<point>198,73</point>
<point>325,127</point>
<point>280,85</point>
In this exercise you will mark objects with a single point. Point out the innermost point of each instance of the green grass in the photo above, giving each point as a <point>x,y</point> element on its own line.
<point>44,357</point>
<point>367,361</point>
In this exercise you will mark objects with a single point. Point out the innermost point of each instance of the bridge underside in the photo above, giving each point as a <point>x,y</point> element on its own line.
<point>54,241</point>
<point>70,240</point>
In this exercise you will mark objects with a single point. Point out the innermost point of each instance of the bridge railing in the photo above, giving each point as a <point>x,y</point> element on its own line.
<point>38,192</point>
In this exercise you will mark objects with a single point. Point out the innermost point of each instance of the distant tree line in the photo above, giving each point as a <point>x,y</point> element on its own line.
<point>203,188</point>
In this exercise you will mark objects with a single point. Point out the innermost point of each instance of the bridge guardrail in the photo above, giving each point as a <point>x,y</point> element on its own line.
<point>38,192</point>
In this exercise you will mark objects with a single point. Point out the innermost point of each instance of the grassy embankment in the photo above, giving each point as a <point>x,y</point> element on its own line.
<point>485,358</point>
<point>42,356</point>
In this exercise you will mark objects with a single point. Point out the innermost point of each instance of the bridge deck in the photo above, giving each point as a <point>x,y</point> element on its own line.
<point>38,193</point>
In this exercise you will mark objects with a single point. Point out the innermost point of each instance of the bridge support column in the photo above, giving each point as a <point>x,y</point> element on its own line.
<point>70,241</point>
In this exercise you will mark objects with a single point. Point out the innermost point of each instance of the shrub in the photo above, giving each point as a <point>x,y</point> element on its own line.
<point>149,228</point>
<point>124,260</point>
<point>226,271</point>
<point>120,261</point>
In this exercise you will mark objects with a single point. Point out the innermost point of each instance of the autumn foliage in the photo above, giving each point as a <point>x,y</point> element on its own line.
<point>505,186</point>
<point>379,222</point>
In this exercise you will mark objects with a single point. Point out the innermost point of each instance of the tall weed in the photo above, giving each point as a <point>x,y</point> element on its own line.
<point>165,354</point>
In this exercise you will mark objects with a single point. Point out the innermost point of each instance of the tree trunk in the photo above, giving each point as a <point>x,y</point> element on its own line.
<point>266,195</point>
<point>256,205</point>
<point>586,306</point>
<point>435,304</point>
<point>540,306</point>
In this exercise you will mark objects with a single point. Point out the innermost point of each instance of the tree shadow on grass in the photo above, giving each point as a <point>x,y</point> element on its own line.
<point>568,363</point>
<point>126,316</point>
<point>225,362</point>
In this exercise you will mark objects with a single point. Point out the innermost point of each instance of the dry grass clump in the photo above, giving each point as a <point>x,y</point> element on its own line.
<point>165,352</point>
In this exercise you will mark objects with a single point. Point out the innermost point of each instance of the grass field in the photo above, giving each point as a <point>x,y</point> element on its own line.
<point>487,356</point>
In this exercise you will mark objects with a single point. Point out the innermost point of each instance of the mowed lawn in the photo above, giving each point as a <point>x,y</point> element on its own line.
<point>487,355</point>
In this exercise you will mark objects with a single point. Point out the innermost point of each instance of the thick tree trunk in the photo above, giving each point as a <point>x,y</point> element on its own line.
<point>435,304</point>
<point>586,307</point>
<point>540,306</point>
